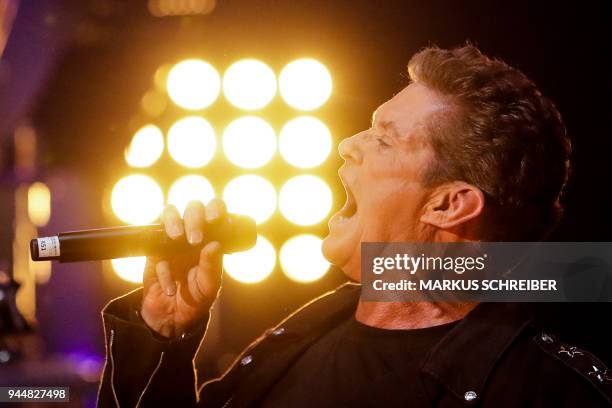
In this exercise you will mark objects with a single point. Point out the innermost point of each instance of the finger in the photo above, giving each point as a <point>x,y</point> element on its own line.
<point>172,222</point>
<point>194,219</point>
<point>205,277</point>
<point>164,276</point>
<point>215,211</point>
<point>149,276</point>
<point>209,268</point>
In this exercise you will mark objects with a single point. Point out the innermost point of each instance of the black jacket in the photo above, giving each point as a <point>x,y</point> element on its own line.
<point>495,357</point>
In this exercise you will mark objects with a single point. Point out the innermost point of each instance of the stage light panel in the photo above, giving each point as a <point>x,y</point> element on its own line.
<point>249,142</point>
<point>146,147</point>
<point>189,188</point>
<point>302,260</point>
<point>193,84</point>
<point>305,84</point>
<point>250,195</point>
<point>305,142</point>
<point>249,84</point>
<point>137,199</point>
<point>192,142</point>
<point>254,265</point>
<point>130,269</point>
<point>39,204</point>
<point>305,200</point>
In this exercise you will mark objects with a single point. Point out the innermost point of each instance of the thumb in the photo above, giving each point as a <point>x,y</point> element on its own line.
<point>207,274</point>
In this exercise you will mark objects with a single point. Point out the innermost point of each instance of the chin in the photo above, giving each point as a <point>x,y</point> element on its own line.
<point>339,254</point>
<point>331,252</point>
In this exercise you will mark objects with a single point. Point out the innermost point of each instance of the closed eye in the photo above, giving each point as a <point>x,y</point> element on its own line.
<point>381,142</point>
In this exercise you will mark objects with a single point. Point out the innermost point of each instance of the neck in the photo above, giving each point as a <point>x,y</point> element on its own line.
<point>410,315</point>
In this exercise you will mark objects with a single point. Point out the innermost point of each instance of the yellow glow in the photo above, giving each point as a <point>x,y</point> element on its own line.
<point>189,188</point>
<point>302,260</point>
<point>249,84</point>
<point>254,265</point>
<point>130,269</point>
<point>305,200</point>
<point>41,271</point>
<point>193,84</point>
<point>305,142</point>
<point>160,78</point>
<point>249,142</point>
<point>163,8</point>
<point>146,147</point>
<point>153,103</point>
<point>137,199</point>
<point>191,141</point>
<point>39,204</point>
<point>250,195</point>
<point>305,84</point>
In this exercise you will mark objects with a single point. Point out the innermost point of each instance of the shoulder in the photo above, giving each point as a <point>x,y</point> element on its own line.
<point>578,361</point>
<point>563,372</point>
<point>326,308</point>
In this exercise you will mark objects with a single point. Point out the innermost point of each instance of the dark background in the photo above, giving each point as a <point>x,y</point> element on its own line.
<point>77,70</point>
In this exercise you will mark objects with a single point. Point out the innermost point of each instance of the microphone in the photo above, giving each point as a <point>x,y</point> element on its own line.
<point>236,233</point>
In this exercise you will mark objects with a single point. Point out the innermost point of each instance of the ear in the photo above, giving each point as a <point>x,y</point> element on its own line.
<point>453,204</point>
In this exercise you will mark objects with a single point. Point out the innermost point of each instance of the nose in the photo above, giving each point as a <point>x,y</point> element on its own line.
<point>350,149</point>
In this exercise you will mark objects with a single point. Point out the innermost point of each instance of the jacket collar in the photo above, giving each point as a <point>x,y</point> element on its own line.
<point>461,361</point>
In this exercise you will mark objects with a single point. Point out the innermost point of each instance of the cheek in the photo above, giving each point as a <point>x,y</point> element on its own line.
<point>391,209</point>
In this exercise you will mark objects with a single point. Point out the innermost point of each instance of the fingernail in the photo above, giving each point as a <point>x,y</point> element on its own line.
<point>195,237</point>
<point>211,215</point>
<point>171,290</point>
<point>175,230</point>
<point>215,246</point>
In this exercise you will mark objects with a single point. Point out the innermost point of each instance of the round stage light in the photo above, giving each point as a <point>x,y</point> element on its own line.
<point>305,142</point>
<point>146,147</point>
<point>130,269</point>
<point>249,142</point>
<point>137,199</point>
<point>191,141</point>
<point>193,84</point>
<point>189,188</point>
<point>302,260</point>
<point>250,195</point>
<point>249,84</point>
<point>305,200</point>
<point>39,204</point>
<point>305,84</point>
<point>254,265</point>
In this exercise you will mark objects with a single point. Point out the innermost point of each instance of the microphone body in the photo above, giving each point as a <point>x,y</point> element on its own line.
<point>236,233</point>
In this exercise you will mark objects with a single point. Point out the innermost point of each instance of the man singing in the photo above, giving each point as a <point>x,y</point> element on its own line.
<point>469,151</point>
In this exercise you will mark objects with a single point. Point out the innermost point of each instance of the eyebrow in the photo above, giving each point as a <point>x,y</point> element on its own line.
<point>387,126</point>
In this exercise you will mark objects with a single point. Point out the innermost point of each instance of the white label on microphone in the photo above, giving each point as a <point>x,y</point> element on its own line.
<point>48,247</point>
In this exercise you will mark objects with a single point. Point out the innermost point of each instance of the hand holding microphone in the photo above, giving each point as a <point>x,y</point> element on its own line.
<point>183,269</point>
<point>180,289</point>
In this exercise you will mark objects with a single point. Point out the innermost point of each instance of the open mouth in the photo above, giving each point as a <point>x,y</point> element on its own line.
<point>350,207</point>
